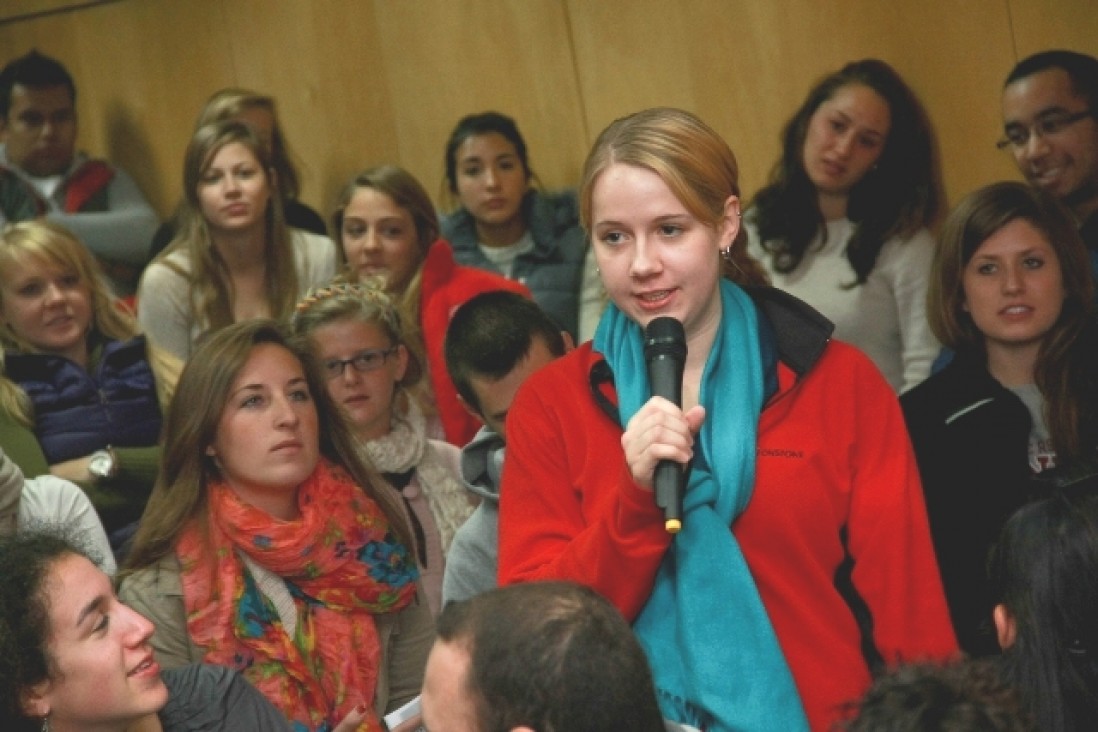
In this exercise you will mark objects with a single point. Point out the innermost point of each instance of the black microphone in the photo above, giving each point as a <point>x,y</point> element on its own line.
<point>665,356</point>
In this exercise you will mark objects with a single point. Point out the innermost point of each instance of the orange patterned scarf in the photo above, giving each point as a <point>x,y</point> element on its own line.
<point>341,566</point>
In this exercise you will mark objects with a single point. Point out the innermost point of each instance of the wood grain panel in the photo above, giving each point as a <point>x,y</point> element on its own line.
<point>745,67</point>
<point>363,83</point>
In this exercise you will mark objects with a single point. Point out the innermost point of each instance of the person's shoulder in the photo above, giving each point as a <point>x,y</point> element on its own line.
<point>470,281</point>
<point>210,697</point>
<point>311,242</point>
<point>573,370</point>
<point>161,579</point>
<point>918,245</point>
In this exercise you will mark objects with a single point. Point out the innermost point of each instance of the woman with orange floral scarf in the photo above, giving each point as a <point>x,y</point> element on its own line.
<point>266,548</point>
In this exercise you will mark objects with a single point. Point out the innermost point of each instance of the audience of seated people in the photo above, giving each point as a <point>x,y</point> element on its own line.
<point>82,393</point>
<point>387,227</point>
<point>505,225</point>
<point>843,222</point>
<point>495,341</point>
<point>261,114</point>
<point>1011,295</point>
<point>357,336</point>
<point>799,462</point>
<point>42,174</point>
<point>73,657</point>
<point>305,522</point>
<point>233,257</point>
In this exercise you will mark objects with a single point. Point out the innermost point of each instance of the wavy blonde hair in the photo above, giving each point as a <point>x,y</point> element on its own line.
<point>51,246</point>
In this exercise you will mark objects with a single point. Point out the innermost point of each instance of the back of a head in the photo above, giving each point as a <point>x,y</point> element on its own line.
<point>968,696</point>
<point>490,333</point>
<point>552,656</point>
<point>33,71</point>
<point>1044,571</point>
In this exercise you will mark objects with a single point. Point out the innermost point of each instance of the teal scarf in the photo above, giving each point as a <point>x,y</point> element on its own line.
<point>715,659</point>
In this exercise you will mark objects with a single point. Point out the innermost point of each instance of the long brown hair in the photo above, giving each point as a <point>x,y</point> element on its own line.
<point>185,469</point>
<point>1065,360</point>
<point>896,198</point>
<point>209,278</point>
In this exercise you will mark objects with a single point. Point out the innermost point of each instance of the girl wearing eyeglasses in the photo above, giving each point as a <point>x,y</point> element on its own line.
<point>387,228</point>
<point>357,337</point>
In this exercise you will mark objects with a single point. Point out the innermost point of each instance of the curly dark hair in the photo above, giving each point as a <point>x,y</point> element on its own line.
<point>897,198</point>
<point>957,697</point>
<point>25,562</point>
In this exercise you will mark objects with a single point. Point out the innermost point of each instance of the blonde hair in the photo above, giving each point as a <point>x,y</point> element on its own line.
<point>179,495</point>
<point>365,302</point>
<point>51,245</point>
<point>231,103</point>
<point>691,159</point>
<point>209,278</point>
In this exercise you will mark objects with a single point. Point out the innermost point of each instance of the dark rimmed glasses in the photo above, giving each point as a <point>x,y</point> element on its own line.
<point>362,362</point>
<point>1048,125</point>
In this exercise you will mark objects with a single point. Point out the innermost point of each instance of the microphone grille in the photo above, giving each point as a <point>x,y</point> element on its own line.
<point>664,336</point>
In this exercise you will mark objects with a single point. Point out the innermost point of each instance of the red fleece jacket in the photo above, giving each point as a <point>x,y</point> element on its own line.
<point>445,286</point>
<point>833,457</point>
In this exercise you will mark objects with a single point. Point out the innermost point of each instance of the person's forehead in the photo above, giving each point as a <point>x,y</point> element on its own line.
<point>57,95</point>
<point>1038,93</point>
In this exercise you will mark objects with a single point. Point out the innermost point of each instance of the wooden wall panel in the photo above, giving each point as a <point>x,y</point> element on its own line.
<point>745,67</point>
<point>444,60</point>
<point>364,83</point>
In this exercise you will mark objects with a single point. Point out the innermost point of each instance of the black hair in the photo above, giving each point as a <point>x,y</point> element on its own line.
<point>1080,68</point>
<point>34,71</point>
<point>896,198</point>
<point>483,124</point>
<point>25,563</point>
<point>490,333</point>
<point>1044,571</point>
<point>959,697</point>
<point>552,656</point>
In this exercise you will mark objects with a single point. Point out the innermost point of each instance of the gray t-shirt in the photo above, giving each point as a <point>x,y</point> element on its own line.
<point>1042,453</point>
<point>208,698</point>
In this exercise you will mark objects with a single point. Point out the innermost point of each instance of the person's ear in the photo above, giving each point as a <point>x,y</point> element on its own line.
<point>402,362</point>
<point>569,341</point>
<point>1005,626</point>
<point>34,701</point>
<point>473,411</point>
<point>730,222</point>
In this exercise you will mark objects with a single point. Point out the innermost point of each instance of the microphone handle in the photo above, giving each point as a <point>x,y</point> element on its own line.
<point>667,482</point>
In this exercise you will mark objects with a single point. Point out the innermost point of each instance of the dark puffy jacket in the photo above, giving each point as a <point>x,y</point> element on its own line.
<point>553,269</point>
<point>77,411</point>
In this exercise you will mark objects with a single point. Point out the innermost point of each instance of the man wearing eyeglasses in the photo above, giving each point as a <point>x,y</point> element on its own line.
<point>1050,121</point>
